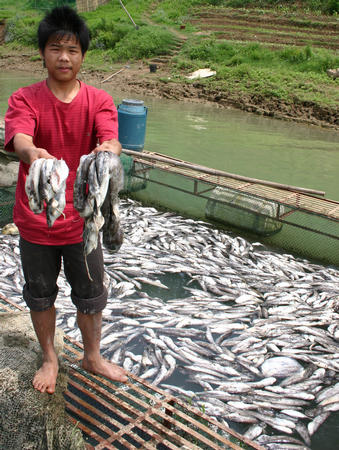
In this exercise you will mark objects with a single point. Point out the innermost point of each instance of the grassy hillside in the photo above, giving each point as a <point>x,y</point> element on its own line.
<point>279,51</point>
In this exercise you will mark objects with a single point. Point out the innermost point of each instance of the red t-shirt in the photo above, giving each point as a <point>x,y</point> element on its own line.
<point>67,131</point>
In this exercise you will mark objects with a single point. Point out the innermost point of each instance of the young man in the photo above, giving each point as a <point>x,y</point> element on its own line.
<point>63,118</point>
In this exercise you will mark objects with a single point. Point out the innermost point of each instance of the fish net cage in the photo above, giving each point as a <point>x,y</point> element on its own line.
<point>134,179</point>
<point>302,223</point>
<point>245,211</point>
<point>29,419</point>
<point>7,198</point>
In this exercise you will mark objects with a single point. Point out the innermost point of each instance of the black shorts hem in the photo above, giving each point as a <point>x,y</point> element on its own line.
<point>38,304</point>
<point>90,305</point>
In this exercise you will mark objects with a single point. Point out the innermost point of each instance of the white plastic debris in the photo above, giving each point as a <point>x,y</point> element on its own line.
<point>334,73</point>
<point>201,73</point>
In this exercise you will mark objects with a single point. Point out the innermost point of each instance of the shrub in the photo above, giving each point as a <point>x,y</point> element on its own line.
<point>22,29</point>
<point>107,35</point>
<point>145,42</point>
<point>331,7</point>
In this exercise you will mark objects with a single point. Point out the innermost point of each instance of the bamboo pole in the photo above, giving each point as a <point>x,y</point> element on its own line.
<point>115,73</point>
<point>220,173</point>
<point>124,7</point>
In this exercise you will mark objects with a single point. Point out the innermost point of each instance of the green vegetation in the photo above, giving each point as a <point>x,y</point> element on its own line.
<point>322,6</point>
<point>113,31</point>
<point>254,69</point>
<point>21,29</point>
<point>47,4</point>
<point>291,74</point>
<point>226,54</point>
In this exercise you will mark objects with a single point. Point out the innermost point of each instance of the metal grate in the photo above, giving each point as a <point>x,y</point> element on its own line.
<point>135,414</point>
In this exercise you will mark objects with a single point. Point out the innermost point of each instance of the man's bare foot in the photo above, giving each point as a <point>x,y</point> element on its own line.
<point>105,368</point>
<point>45,378</point>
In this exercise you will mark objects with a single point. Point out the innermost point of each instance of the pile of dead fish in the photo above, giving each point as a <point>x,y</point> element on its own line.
<point>248,335</point>
<point>46,186</point>
<point>100,177</point>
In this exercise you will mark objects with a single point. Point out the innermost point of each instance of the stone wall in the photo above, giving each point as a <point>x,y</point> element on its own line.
<point>89,5</point>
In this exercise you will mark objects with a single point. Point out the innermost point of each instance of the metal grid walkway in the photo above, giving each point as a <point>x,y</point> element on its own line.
<point>298,199</point>
<point>135,415</point>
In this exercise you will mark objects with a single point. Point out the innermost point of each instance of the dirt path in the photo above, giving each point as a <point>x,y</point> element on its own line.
<point>137,80</point>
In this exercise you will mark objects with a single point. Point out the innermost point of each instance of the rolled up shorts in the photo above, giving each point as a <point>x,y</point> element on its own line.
<point>41,266</point>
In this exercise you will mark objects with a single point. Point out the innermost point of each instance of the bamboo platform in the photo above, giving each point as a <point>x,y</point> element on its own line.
<point>292,199</point>
<point>301,199</point>
<point>135,415</point>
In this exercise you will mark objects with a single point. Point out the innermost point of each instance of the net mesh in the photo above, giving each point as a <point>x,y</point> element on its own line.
<point>7,197</point>
<point>244,211</point>
<point>135,179</point>
<point>30,419</point>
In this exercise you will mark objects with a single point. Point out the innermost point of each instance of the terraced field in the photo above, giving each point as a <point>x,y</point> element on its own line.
<point>268,27</point>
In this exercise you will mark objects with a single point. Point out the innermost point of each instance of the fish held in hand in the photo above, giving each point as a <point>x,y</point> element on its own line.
<point>98,182</point>
<point>35,201</point>
<point>46,186</point>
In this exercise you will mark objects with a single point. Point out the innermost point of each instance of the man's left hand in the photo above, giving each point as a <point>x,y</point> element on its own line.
<point>112,145</point>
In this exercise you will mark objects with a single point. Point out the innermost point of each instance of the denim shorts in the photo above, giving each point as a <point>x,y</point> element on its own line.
<point>41,265</point>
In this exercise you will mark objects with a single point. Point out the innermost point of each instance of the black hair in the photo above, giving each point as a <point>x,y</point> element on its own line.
<point>63,21</point>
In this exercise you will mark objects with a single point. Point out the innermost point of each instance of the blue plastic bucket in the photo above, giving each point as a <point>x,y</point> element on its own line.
<point>132,116</point>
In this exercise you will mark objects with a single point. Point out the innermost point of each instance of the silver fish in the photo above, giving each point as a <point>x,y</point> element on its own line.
<point>46,183</point>
<point>32,186</point>
<point>100,174</point>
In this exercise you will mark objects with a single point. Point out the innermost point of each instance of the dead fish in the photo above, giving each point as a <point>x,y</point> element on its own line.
<point>280,367</point>
<point>95,195</point>
<point>32,186</point>
<point>80,184</point>
<point>317,422</point>
<point>46,184</point>
<point>209,339</point>
<point>112,232</point>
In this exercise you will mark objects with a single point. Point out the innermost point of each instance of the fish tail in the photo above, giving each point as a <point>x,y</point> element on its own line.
<point>87,269</point>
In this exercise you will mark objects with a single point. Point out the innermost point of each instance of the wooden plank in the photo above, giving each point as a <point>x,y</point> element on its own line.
<point>10,302</point>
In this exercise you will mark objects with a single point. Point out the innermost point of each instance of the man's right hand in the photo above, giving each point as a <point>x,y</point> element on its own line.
<point>26,150</point>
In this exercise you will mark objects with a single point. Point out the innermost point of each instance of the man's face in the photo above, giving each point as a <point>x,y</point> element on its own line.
<point>63,57</point>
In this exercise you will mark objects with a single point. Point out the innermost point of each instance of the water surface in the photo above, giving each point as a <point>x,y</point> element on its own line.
<point>230,140</point>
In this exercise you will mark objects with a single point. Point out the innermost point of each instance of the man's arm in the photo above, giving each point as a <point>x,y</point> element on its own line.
<point>113,145</point>
<point>26,150</point>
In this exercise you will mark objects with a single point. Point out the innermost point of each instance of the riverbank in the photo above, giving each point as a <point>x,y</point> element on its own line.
<point>136,79</point>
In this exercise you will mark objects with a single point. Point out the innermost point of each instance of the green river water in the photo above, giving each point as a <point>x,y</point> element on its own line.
<point>241,143</point>
<point>244,144</point>
<point>231,140</point>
